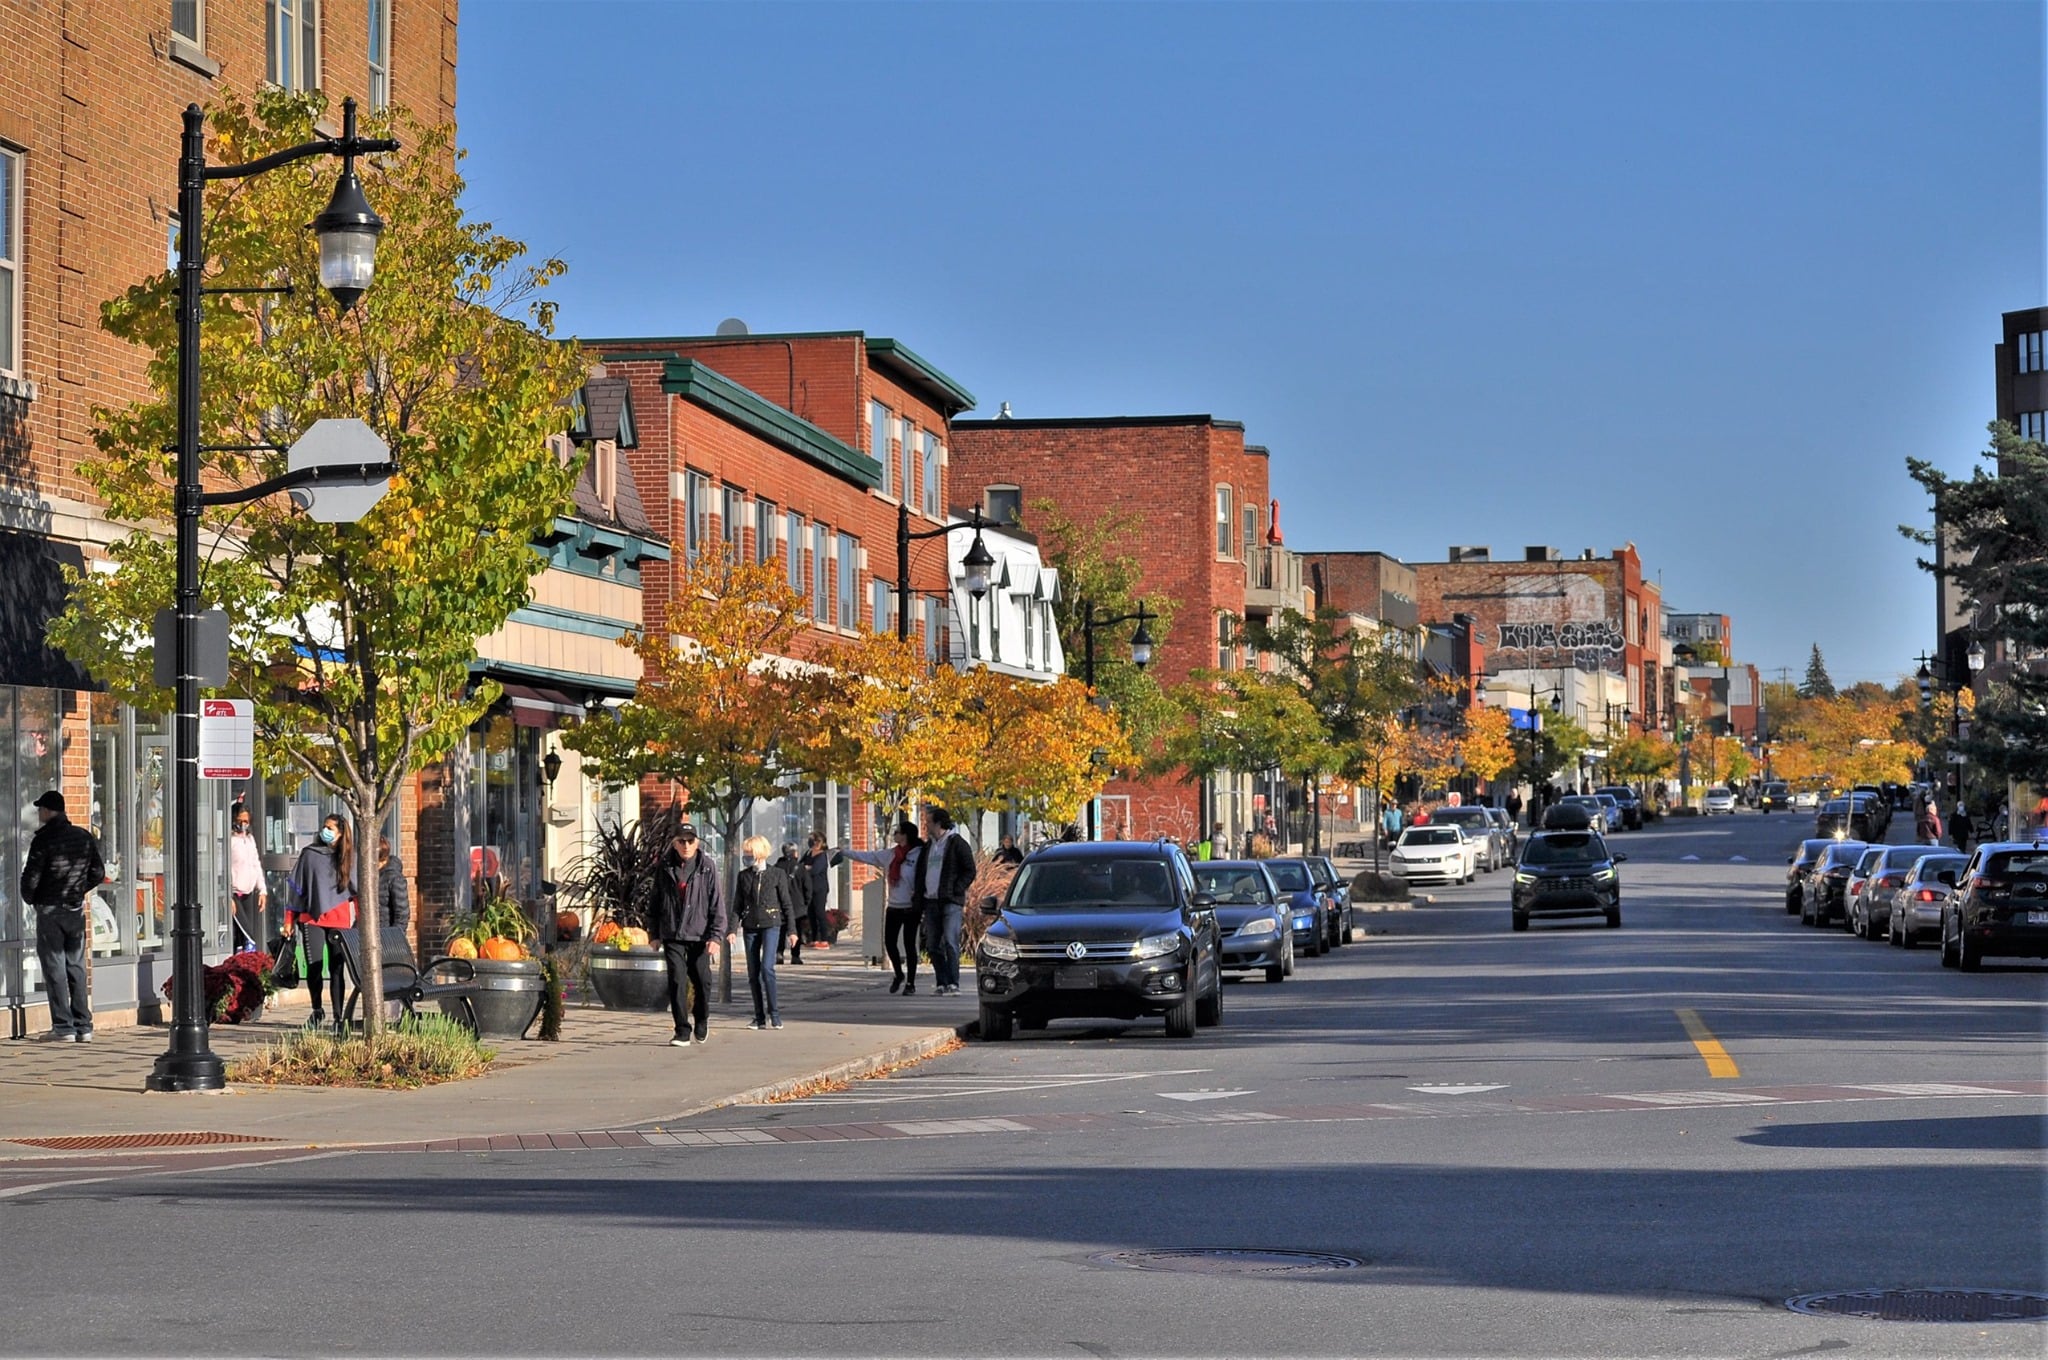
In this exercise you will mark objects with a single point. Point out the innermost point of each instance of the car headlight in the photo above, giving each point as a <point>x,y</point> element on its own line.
<point>1153,946</point>
<point>998,947</point>
<point>1603,873</point>
<point>1525,878</point>
<point>1264,925</point>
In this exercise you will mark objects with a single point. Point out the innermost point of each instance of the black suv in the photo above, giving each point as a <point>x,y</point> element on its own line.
<point>1113,929</point>
<point>1566,873</point>
<point>1776,797</point>
<point>2000,908</point>
<point>1827,884</point>
<point>1801,865</point>
<point>1631,805</point>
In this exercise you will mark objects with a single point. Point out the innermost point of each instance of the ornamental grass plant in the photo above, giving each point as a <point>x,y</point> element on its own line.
<point>433,1050</point>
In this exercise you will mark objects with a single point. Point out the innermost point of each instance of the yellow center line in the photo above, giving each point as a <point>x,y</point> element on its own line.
<point>1719,1064</point>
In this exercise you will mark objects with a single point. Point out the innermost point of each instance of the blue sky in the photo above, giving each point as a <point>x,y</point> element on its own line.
<point>1695,276</point>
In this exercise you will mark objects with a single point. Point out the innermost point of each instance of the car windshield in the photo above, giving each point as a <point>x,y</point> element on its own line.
<point>1809,851</point>
<point>1292,876</point>
<point>1842,855</point>
<point>1460,817</point>
<point>1901,856</point>
<point>1068,883</point>
<point>1568,847</point>
<point>1232,883</point>
<point>1775,790</point>
<point>1426,835</point>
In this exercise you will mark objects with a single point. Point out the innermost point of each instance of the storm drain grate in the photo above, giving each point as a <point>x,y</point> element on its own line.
<point>1926,1305</point>
<point>1227,1261</point>
<point>98,1142</point>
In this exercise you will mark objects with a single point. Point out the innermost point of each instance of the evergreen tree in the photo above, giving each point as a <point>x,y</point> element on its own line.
<point>1817,685</point>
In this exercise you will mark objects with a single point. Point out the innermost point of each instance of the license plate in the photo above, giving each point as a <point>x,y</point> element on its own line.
<point>2037,918</point>
<point>1078,979</point>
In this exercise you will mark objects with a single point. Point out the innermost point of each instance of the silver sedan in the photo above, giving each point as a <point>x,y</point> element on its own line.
<point>1916,906</point>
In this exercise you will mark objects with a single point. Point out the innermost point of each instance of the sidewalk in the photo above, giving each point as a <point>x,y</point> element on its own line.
<point>612,1069</point>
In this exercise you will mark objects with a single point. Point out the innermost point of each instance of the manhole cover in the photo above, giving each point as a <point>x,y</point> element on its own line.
<point>103,1141</point>
<point>1926,1305</point>
<point>1228,1261</point>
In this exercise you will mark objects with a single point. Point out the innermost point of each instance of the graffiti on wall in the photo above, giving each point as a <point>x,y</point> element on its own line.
<point>1566,613</point>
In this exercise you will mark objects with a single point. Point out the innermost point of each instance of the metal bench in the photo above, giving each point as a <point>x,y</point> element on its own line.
<point>407,983</point>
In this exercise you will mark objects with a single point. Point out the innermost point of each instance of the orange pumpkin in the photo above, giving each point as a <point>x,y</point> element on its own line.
<point>604,932</point>
<point>462,947</point>
<point>501,950</point>
<point>568,920</point>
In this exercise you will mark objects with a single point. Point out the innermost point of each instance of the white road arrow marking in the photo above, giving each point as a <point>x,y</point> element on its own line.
<point>1738,859</point>
<point>1688,859</point>
<point>1469,1090</point>
<point>1203,1095</point>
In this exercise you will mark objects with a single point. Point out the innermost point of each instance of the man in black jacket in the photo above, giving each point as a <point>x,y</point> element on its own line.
<point>690,921</point>
<point>817,864</point>
<point>800,908</point>
<point>62,869</point>
<point>945,871</point>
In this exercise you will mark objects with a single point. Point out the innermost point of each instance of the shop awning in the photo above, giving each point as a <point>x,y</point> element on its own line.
<point>32,592</point>
<point>541,707</point>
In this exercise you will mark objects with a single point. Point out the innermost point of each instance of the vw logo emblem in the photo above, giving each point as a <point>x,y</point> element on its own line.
<point>1077,950</point>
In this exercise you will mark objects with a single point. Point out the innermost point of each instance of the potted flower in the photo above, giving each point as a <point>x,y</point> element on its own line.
<point>614,878</point>
<point>493,937</point>
<point>236,987</point>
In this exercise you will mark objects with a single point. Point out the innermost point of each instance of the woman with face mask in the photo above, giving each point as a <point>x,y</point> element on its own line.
<point>245,881</point>
<point>323,900</point>
<point>762,899</point>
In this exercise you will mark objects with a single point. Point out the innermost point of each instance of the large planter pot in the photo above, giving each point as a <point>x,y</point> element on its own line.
<point>509,996</point>
<point>629,982</point>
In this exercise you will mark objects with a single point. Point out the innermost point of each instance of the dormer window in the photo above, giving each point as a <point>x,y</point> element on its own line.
<point>1003,504</point>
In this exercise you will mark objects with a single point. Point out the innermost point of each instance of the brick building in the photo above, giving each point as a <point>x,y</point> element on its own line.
<point>91,96</point>
<point>1705,636</point>
<point>1582,632</point>
<point>1202,493</point>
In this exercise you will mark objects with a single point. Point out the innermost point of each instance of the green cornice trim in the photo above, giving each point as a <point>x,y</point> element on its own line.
<point>572,621</point>
<point>712,390</point>
<point>899,356</point>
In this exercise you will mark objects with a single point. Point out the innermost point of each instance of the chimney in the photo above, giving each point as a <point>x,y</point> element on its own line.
<point>1470,553</point>
<point>1004,413</point>
<point>1536,552</point>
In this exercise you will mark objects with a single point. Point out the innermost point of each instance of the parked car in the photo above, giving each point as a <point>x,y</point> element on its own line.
<point>1304,904</point>
<point>1566,873</point>
<point>1917,906</point>
<point>1881,873</point>
<point>1336,889</point>
<point>1848,818</point>
<point>1100,928</point>
<point>1827,883</point>
<point>1880,806</point>
<point>1858,876</point>
<point>1631,804</point>
<point>1251,920</point>
<point>1596,809</point>
<point>1718,801</point>
<point>1490,846</point>
<point>1507,828</point>
<point>1776,797</point>
<point>1806,800</point>
<point>1435,854</point>
<point>1800,865</point>
<point>1999,908</point>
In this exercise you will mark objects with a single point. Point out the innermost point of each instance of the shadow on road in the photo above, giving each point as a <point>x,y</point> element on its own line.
<point>1988,1133</point>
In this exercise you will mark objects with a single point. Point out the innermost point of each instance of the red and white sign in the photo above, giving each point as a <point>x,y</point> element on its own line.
<point>227,738</point>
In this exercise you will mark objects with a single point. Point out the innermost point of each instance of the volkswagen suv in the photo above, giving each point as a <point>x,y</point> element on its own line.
<point>1112,929</point>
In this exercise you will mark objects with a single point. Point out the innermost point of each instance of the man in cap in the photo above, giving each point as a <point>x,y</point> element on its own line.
<point>690,921</point>
<point>62,869</point>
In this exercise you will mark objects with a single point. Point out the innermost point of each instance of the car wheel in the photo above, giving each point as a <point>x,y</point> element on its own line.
<point>1614,919</point>
<point>1276,972</point>
<point>1791,903</point>
<point>1969,957</point>
<point>1907,938</point>
<point>1180,1021</point>
<point>1209,1009</point>
<point>1948,953</point>
<point>1287,960</point>
<point>995,1024</point>
<point>1519,920</point>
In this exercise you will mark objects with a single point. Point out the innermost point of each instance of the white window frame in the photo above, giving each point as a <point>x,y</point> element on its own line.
<point>766,519</point>
<point>933,458</point>
<point>793,541</point>
<point>880,425</point>
<point>821,573</point>
<point>1226,521</point>
<point>882,605</point>
<point>291,41</point>
<point>848,581</point>
<point>1004,489</point>
<point>379,38</point>
<point>906,444</point>
<point>197,37</point>
<point>11,165</point>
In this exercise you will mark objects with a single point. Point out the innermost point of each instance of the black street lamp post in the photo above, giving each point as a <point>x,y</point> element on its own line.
<point>347,233</point>
<point>1973,657</point>
<point>978,562</point>
<point>1141,657</point>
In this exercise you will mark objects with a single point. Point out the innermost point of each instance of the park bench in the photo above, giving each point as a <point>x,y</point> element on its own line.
<point>445,979</point>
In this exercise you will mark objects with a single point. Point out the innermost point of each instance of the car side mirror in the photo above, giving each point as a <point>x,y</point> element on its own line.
<point>991,906</point>
<point>1621,859</point>
<point>1202,902</point>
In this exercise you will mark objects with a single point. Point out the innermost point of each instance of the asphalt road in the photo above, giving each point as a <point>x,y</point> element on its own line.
<point>1516,1136</point>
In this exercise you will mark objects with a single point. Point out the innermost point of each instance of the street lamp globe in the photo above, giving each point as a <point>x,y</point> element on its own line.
<point>1925,678</point>
<point>1975,656</point>
<point>347,232</point>
<point>1141,646</point>
<point>978,563</point>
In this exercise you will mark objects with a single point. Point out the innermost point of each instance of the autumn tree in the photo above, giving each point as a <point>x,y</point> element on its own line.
<point>1642,755</point>
<point>1245,721</point>
<point>353,640</point>
<point>1487,745</point>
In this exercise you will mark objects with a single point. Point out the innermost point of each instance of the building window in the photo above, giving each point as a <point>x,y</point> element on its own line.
<point>906,434</point>
<point>380,53</point>
<point>1226,524</point>
<point>2032,425</point>
<point>932,502</point>
<point>188,22</point>
<point>696,514</point>
<point>1251,536</point>
<point>879,426</point>
<point>1003,504</point>
<point>821,574</point>
<point>796,552</point>
<point>849,581</point>
<point>1030,632</point>
<point>2028,348</point>
<point>764,531</point>
<point>292,39</point>
<point>731,519</point>
<point>882,598</point>
<point>10,261</point>
<point>1223,643</point>
<point>935,648</point>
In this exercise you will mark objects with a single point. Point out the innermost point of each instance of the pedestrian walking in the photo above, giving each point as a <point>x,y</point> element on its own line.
<point>1926,822</point>
<point>62,869</point>
<point>817,865</point>
<point>945,871</point>
<point>1960,827</point>
<point>394,899</point>
<point>762,898</point>
<point>901,916</point>
<point>245,881</point>
<point>1514,807</point>
<point>799,918</point>
<point>323,900</point>
<point>1009,854</point>
<point>689,919</point>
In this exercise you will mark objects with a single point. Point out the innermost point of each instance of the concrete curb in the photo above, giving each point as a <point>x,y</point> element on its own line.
<point>923,1046</point>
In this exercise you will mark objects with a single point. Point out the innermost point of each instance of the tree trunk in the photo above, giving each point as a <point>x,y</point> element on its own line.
<point>369,911</point>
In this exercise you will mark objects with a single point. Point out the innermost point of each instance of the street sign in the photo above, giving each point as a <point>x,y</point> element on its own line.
<point>338,443</point>
<point>213,648</point>
<point>227,738</point>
